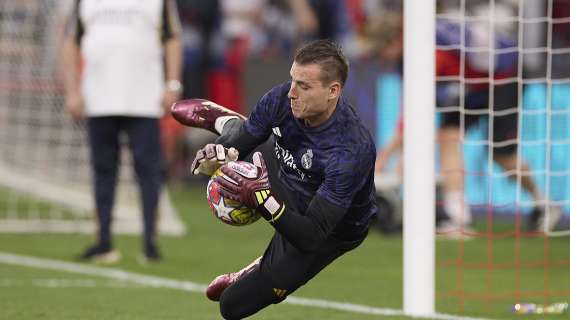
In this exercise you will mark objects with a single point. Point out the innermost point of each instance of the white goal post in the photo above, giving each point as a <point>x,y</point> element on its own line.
<point>419,143</point>
<point>495,45</point>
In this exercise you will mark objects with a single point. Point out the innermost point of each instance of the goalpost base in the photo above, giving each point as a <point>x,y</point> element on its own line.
<point>127,217</point>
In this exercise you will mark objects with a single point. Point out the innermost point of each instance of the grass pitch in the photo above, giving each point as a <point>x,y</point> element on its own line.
<point>371,275</point>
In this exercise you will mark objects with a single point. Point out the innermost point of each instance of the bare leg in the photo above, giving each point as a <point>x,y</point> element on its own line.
<point>451,159</point>
<point>544,216</point>
<point>509,164</point>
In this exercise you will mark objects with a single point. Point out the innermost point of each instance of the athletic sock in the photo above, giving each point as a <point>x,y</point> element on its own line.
<point>457,209</point>
<point>221,122</point>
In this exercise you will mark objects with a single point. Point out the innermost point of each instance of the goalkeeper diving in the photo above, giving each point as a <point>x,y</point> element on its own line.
<point>315,181</point>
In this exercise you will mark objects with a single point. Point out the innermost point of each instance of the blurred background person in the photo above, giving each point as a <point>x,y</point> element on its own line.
<point>200,22</point>
<point>456,213</point>
<point>122,66</point>
<point>490,86</point>
<point>240,33</point>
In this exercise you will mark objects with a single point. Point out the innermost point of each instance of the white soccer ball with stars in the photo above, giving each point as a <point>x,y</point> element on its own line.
<point>229,211</point>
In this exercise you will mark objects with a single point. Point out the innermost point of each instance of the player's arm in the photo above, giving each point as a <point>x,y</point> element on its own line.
<point>239,138</point>
<point>225,149</point>
<point>171,37</point>
<point>242,136</point>
<point>246,136</point>
<point>71,64</point>
<point>306,231</point>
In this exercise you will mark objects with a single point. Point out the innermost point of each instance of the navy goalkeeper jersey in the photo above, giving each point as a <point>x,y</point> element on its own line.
<point>334,160</point>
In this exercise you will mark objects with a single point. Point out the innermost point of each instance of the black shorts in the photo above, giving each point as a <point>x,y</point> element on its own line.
<point>504,115</point>
<point>288,268</point>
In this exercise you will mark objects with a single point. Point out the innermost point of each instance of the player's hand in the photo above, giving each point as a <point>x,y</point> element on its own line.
<point>211,157</point>
<point>75,106</point>
<point>253,190</point>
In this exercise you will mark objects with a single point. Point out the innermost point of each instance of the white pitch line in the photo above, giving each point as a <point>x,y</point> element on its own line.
<point>159,282</point>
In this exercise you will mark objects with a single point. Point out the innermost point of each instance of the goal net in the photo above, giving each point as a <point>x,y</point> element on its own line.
<point>45,179</point>
<point>502,65</point>
<point>508,55</point>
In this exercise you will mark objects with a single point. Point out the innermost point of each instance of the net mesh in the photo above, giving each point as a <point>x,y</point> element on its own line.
<point>512,56</point>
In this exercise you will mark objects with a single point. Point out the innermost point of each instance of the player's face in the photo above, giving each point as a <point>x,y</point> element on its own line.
<point>311,100</point>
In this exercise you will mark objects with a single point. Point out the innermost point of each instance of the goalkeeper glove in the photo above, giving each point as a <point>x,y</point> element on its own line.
<point>251,189</point>
<point>211,157</point>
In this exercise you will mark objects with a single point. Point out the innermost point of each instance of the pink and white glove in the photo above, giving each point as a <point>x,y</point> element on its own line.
<point>211,157</point>
<point>251,187</point>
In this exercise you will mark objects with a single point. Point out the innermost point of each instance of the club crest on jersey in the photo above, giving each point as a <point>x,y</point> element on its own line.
<point>307,159</point>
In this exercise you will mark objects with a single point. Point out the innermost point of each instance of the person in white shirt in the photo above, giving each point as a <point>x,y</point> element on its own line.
<point>122,68</point>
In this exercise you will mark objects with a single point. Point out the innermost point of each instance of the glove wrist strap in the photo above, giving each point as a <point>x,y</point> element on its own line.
<point>270,208</point>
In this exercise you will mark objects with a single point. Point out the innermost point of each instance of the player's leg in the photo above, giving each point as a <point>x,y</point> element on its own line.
<point>505,153</point>
<point>508,160</point>
<point>247,296</point>
<point>230,128</point>
<point>450,133</point>
<point>144,142</point>
<point>221,282</point>
<point>282,271</point>
<point>103,133</point>
<point>289,269</point>
<point>451,160</point>
<point>331,252</point>
<point>293,276</point>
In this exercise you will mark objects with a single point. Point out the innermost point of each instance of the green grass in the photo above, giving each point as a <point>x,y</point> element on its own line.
<point>370,275</point>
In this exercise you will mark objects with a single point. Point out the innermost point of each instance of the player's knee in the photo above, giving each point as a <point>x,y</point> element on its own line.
<point>226,312</point>
<point>230,306</point>
<point>237,302</point>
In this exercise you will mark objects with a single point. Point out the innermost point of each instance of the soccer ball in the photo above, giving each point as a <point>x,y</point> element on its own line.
<point>229,211</point>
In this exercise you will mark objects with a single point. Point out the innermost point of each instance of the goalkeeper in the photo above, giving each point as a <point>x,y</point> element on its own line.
<point>316,188</point>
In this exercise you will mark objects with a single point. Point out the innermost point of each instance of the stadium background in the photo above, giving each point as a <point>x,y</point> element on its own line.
<point>375,89</point>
